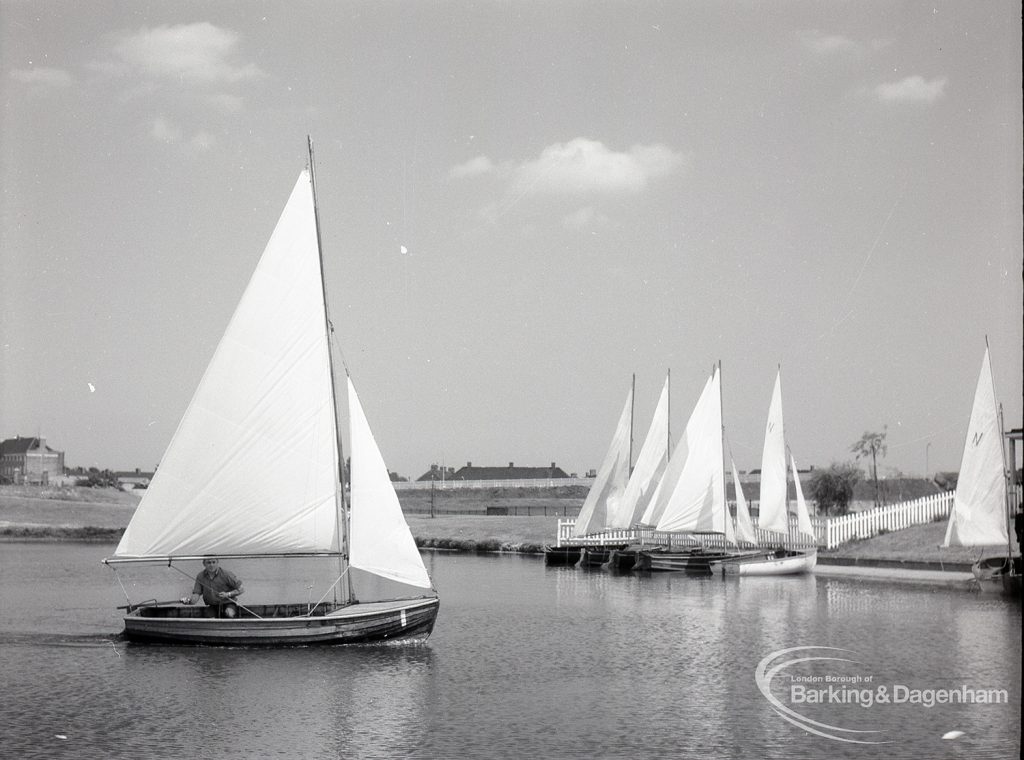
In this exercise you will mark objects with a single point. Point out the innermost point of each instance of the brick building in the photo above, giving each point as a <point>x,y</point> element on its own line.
<point>29,460</point>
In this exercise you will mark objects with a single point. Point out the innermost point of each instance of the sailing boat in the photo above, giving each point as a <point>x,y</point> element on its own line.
<point>980,514</point>
<point>607,490</point>
<point>774,503</point>
<point>691,496</point>
<point>255,470</point>
<point>643,481</point>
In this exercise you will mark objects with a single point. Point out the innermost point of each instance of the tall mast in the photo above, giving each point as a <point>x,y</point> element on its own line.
<point>668,414</point>
<point>1002,452</point>
<point>632,407</point>
<point>721,416</point>
<point>785,450</point>
<point>342,517</point>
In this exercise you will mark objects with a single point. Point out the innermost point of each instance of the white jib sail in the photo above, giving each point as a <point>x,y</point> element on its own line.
<point>979,505</point>
<point>803,517</point>
<point>697,502</point>
<point>744,528</point>
<point>610,484</point>
<point>380,541</point>
<point>253,465</point>
<point>647,472</point>
<point>730,531</point>
<point>773,509</point>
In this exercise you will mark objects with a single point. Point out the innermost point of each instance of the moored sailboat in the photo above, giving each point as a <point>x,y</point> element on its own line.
<point>255,471</point>
<point>643,482</point>
<point>602,499</point>
<point>690,499</point>
<point>773,513</point>
<point>980,515</point>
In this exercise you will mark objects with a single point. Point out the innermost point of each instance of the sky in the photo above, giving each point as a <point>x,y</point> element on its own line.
<point>523,205</point>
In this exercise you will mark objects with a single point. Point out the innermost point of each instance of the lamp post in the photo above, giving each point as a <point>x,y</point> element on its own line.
<point>926,448</point>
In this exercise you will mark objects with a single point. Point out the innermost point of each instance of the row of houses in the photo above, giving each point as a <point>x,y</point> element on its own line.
<point>512,472</point>
<point>31,461</point>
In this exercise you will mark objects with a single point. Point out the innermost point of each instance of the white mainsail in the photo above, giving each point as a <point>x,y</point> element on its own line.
<point>380,540</point>
<point>773,509</point>
<point>696,502</point>
<point>979,513</point>
<point>803,518</point>
<point>647,473</point>
<point>744,527</point>
<point>610,483</point>
<point>253,466</point>
<point>673,469</point>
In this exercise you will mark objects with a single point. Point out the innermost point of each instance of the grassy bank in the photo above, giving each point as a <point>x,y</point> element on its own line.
<point>27,518</point>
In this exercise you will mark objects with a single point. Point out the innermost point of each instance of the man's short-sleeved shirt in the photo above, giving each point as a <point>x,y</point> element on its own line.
<point>210,588</point>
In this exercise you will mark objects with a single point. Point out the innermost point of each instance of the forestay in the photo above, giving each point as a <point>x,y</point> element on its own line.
<point>253,466</point>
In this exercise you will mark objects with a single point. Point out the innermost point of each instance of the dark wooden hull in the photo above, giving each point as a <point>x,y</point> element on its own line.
<point>598,556</point>
<point>623,559</point>
<point>284,625</point>
<point>562,556</point>
<point>691,562</point>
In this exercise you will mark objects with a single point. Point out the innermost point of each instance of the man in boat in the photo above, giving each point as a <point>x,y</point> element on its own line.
<point>218,588</point>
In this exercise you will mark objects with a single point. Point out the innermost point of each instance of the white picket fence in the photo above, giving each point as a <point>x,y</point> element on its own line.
<point>828,532</point>
<point>887,519</point>
<point>651,537</point>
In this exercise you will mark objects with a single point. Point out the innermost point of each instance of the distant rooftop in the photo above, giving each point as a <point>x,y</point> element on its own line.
<point>511,472</point>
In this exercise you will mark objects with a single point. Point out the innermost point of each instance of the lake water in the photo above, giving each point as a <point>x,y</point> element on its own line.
<point>525,661</point>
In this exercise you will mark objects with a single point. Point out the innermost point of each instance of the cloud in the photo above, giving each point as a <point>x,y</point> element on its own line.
<point>195,53</point>
<point>588,166</point>
<point>827,44</point>
<point>472,168</point>
<point>43,75</point>
<point>913,89</point>
<point>567,172</point>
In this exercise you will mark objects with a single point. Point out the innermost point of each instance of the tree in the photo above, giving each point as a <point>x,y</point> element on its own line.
<point>872,445</point>
<point>833,488</point>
